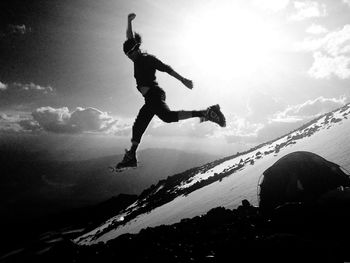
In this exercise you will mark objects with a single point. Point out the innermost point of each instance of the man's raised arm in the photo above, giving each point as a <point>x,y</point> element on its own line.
<point>129,33</point>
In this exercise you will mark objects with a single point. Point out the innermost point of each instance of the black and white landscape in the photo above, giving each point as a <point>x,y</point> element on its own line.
<point>205,200</point>
<point>225,182</point>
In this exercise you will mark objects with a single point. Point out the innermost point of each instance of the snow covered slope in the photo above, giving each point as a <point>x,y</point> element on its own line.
<point>227,181</point>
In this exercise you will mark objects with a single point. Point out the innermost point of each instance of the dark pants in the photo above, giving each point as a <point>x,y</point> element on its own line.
<point>154,105</point>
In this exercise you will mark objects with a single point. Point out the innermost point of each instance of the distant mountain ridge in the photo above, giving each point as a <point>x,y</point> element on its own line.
<point>225,181</point>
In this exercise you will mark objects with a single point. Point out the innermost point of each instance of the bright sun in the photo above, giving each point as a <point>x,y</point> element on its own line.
<point>225,40</point>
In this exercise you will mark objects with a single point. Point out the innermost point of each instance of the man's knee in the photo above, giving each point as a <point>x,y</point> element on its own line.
<point>167,119</point>
<point>171,116</point>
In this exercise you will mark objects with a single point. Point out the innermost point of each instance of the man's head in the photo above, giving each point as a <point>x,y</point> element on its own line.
<point>131,46</point>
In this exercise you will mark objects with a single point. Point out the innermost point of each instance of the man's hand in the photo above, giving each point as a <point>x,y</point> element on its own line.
<point>188,83</point>
<point>131,16</point>
<point>129,33</point>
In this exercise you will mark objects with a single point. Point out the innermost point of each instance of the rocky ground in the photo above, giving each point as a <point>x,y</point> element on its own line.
<point>291,233</point>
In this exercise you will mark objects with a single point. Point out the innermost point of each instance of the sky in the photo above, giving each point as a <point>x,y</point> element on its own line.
<point>271,65</point>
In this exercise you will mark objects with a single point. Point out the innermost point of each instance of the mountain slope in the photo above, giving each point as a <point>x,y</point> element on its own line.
<point>227,181</point>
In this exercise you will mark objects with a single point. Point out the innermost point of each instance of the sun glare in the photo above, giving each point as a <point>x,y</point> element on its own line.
<point>227,41</point>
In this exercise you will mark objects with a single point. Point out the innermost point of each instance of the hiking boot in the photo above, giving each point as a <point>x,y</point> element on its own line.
<point>129,160</point>
<point>214,114</point>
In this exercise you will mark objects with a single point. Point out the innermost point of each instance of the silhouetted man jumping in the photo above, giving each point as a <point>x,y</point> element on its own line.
<point>145,66</point>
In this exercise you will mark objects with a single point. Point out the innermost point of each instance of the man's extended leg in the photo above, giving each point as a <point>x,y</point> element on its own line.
<point>163,111</point>
<point>214,114</point>
<point>183,115</point>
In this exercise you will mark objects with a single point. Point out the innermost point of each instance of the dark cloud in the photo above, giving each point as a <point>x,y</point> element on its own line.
<point>14,31</point>
<point>81,120</point>
<point>18,29</point>
<point>29,125</point>
<point>9,123</point>
<point>3,116</point>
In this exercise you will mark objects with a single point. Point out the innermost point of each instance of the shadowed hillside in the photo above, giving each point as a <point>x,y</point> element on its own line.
<point>32,188</point>
<point>293,233</point>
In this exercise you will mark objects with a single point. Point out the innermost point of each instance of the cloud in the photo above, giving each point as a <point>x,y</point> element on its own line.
<point>3,116</point>
<point>338,42</point>
<point>2,86</point>
<point>10,122</point>
<point>81,120</point>
<point>347,2</point>
<point>334,43</point>
<point>18,29</point>
<point>309,109</point>
<point>283,122</point>
<point>6,117</point>
<point>32,87</point>
<point>308,9</point>
<point>29,125</point>
<point>331,54</point>
<point>21,94</point>
<point>325,66</point>
<point>15,30</point>
<point>316,29</point>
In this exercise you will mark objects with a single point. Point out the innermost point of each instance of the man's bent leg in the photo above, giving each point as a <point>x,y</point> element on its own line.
<point>143,118</point>
<point>141,123</point>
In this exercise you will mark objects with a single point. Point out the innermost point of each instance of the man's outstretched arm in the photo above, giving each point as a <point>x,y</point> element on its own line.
<point>188,83</point>
<point>129,32</point>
